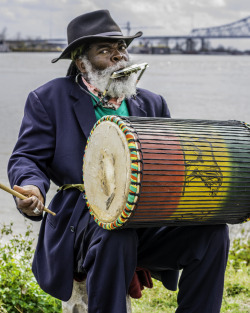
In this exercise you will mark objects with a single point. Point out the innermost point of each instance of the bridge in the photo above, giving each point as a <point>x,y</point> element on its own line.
<point>183,44</point>
<point>236,30</point>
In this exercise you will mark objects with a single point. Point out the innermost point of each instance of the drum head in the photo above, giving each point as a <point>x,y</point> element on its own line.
<point>107,172</point>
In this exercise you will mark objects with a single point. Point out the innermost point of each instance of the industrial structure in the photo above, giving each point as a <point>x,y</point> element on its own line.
<point>196,42</point>
<point>187,44</point>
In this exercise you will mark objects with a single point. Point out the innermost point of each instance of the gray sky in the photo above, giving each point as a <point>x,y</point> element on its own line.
<point>49,18</point>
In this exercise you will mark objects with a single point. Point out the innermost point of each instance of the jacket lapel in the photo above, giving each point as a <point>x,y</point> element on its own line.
<point>135,107</point>
<point>84,110</point>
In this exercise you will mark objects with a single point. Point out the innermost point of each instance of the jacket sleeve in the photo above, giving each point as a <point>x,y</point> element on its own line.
<point>28,164</point>
<point>153,104</point>
<point>165,109</point>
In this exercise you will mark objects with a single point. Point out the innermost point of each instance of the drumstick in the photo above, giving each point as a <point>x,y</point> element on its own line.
<point>20,196</point>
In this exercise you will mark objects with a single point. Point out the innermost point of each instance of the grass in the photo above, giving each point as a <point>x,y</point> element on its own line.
<point>236,296</point>
<point>19,291</point>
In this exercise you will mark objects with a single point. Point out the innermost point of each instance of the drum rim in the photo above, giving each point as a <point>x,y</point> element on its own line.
<point>134,188</point>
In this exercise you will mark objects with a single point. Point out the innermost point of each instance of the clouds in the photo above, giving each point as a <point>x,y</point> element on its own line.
<point>40,18</point>
<point>46,18</point>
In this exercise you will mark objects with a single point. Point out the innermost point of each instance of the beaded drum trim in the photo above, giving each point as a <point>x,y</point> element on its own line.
<point>135,157</point>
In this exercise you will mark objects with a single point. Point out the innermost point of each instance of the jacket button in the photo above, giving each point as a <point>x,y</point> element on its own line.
<point>72,229</point>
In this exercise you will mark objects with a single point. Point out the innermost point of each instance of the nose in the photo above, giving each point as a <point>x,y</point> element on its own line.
<point>117,56</point>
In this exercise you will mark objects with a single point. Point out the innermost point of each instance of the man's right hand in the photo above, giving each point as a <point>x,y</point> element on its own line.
<point>35,200</point>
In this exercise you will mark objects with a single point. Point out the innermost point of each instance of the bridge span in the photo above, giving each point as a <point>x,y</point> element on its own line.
<point>149,44</point>
<point>236,30</point>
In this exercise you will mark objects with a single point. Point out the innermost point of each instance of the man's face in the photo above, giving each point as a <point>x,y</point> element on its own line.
<point>101,60</point>
<point>105,53</point>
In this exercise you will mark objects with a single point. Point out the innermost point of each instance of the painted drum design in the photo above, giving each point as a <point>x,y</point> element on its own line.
<point>142,172</point>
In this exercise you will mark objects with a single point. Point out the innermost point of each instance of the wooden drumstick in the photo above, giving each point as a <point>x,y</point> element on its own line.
<point>20,196</point>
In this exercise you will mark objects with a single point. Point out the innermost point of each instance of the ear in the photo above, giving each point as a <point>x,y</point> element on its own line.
<point>80,66</point>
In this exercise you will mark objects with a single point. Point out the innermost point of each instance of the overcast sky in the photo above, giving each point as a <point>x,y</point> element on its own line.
<point>49,18</point>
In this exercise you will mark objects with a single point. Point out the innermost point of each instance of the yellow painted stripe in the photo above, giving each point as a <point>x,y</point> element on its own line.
<point>206,179</point>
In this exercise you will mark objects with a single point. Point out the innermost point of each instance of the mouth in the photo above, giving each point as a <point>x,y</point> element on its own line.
<point>121,73</point>
<point>119,69</point>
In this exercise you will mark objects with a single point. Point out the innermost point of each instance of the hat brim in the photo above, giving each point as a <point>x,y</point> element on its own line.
<point>66,54</point>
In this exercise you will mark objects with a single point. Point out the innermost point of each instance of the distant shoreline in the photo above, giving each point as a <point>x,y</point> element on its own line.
<point>131,52</point>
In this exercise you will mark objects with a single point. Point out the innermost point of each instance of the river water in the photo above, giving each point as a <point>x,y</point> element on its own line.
<point>194,86</point>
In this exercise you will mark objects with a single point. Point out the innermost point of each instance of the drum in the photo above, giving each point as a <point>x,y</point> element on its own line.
<point>143,172</point>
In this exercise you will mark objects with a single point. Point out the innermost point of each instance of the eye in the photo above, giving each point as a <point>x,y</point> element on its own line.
<point>123,48</point>
<point>104,51</point>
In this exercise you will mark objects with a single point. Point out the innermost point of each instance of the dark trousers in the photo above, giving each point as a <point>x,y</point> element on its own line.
<point>110,259</point>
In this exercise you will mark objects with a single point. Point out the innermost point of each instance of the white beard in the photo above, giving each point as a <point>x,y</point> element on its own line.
<point>121,87</point>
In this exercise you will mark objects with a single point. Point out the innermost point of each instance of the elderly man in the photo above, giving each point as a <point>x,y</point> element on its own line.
<point>56,124</point>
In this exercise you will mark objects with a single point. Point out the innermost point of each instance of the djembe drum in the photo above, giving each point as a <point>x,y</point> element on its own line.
<point>142,172</point>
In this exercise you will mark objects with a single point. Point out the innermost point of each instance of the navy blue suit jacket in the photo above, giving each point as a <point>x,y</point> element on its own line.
<point>57,120</point>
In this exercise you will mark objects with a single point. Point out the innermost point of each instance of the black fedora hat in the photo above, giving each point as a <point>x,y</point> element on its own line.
<point>96,24</point>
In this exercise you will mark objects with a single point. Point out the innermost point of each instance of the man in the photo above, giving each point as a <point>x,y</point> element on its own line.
<point>57,121</point>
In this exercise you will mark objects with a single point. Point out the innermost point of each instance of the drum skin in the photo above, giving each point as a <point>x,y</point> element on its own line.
<point>181,172</point>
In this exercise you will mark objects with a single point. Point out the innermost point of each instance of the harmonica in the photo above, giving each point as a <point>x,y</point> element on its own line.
<point>129,70</point>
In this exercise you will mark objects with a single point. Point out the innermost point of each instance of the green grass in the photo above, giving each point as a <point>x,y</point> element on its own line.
<point>19,291</point>
<point>236,297</point>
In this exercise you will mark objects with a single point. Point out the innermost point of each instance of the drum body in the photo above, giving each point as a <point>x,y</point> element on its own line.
<point>142,172</point>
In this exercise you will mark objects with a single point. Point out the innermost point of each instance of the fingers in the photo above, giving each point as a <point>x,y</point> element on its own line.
<point>29,190</point>
<point>23,190</point>
<point>33,206</point>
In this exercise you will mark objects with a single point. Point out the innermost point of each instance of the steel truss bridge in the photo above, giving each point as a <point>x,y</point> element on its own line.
<point>239,29</point>
<point>187,43</point>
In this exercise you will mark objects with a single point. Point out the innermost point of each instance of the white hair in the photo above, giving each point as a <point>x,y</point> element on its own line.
<point>120,87</point>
